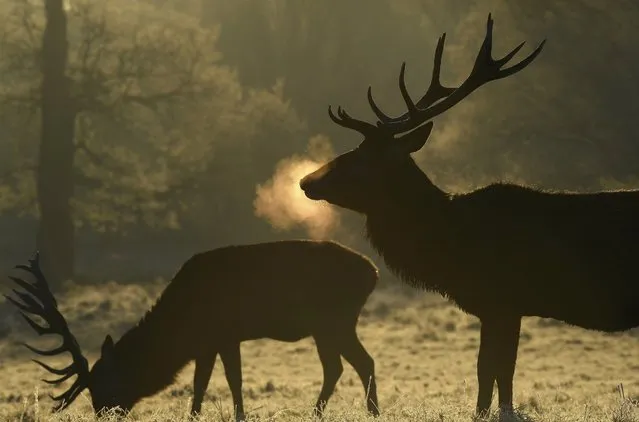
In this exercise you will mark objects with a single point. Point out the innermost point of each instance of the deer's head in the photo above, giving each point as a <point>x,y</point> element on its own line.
<point>104,380</point>
<point>361,178</point>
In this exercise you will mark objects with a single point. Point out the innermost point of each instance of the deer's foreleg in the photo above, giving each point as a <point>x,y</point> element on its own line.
<point>232,360</point>
<point>496,361</point>
<point>203,370</point>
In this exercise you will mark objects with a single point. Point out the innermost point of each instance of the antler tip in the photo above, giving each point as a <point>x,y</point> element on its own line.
<point>35,258</point>
<point>489,24</point>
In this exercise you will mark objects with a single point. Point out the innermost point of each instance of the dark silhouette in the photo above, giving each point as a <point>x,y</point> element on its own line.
<point>55,161</point>
<point>501,252</point>
<point>285,290</point>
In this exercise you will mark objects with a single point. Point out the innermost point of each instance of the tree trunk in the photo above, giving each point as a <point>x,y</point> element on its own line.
<point>55,238</point>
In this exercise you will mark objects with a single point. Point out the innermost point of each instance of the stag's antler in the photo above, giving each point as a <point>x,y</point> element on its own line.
<point>486,69</point>
<point>436,91</point>
<point>47,309</point>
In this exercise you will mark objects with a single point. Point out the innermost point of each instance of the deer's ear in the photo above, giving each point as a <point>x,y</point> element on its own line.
<point>107,346</point>
<point>415,140</point>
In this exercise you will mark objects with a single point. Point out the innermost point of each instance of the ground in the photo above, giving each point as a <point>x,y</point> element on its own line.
<point>425,352</point>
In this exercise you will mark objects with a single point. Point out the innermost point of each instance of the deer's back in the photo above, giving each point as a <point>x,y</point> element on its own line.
<point>554,254</point>
<point>279,290</point>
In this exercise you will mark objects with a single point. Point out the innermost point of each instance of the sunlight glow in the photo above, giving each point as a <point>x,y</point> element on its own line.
<point>283,204</point>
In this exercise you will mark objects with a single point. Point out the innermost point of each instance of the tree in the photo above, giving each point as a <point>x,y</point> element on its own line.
<point>148,104</point>
<point>55,162</point>
<point>320,49</point>
<point>554,125</point>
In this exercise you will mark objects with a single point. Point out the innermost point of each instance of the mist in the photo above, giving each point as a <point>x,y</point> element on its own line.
<point>197,118</point>
<point>282,203</point>
<point>174,127</point>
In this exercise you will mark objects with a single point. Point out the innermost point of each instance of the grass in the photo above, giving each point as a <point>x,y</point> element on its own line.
<point>425,352</point>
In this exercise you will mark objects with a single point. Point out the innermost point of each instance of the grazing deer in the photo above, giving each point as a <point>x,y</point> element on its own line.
<point>285,290</point>
<point>501,252</point>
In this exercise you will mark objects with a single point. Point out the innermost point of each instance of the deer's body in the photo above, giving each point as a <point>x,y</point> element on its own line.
<point>509,249</point>
<point>502,252</point>
<point>279,290</point>
<point>285,290</point>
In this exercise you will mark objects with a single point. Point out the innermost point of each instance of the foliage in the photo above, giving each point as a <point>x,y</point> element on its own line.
<point>267,72</point>
<point>154,106</point>
<point>553,125</point>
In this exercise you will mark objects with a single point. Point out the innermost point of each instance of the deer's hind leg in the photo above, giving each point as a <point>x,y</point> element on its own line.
<point>203,370</point>
<point>329,354</point>
<point>232,360</point>
<point>355,353</point>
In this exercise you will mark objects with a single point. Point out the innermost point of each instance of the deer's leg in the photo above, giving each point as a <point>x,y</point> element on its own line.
<point>486,373</point>
<point>329,354</point>
<point>507,359</point>
<point>203,370</point>
<point>496,362</point>
<point>232,360</point>
<point>355,354</point>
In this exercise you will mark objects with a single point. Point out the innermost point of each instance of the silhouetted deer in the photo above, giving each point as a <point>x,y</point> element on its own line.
<point>501,252</point>
<point>285,290</point>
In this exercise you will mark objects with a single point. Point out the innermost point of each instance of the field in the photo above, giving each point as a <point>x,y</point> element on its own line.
<point>425,352</point>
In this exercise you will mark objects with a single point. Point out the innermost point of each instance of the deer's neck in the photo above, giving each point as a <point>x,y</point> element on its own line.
<point>411,195</point>
<point>152,353</point>
<point>411,229</point>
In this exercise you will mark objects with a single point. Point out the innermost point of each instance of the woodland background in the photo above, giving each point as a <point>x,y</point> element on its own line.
<point>182,117</point>
<point>136,133</point>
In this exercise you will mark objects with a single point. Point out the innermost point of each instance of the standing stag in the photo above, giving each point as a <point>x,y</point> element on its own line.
<point>285,290</point>
<point>501,252</point>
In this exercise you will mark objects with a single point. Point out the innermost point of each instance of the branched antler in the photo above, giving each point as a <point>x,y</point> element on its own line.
<point>436,91</point>
<point>438,98</point>
<point>38,300</point>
